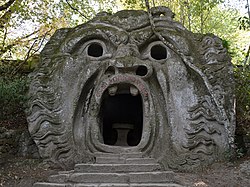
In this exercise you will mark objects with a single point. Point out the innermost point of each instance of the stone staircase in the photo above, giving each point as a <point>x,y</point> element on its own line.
<point>114,170</point>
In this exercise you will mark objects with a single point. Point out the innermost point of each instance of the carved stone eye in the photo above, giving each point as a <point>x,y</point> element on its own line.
<point>158,52</point>
<point>95,50</point>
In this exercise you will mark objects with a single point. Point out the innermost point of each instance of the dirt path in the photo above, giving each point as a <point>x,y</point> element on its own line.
<point>229,174</point>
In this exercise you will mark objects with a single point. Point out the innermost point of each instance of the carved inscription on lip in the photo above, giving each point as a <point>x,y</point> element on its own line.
<point>117,79</point>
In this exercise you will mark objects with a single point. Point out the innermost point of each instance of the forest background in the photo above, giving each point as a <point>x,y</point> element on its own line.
<point>26,26</point>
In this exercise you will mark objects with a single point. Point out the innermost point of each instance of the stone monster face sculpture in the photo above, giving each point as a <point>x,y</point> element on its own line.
<point>114,85</point>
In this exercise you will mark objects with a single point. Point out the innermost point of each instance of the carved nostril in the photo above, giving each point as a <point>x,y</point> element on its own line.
<point>110,71</point>
<point>141,70</point>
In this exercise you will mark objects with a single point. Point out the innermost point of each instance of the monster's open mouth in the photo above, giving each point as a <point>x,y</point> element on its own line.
<point>121,115</point>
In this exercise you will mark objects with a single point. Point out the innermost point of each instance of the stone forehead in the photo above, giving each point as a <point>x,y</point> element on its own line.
<point>130,19</point>
<point>133,19</point>
<point>126,19</point>
<point>130,26</point>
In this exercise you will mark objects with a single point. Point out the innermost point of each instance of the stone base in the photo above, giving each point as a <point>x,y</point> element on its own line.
<point>123,171</point>
<point>108,185</point>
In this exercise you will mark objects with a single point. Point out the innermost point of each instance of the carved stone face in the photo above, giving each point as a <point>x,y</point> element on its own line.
<point>113,85</point>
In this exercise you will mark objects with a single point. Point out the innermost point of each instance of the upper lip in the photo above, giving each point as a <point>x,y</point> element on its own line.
<point>112,84</point>
<point>118,89</point>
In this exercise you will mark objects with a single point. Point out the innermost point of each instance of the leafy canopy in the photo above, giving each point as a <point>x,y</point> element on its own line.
<point>26,25</point>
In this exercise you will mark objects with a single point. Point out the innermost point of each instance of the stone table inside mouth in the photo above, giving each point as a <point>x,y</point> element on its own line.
<point>122,133</point>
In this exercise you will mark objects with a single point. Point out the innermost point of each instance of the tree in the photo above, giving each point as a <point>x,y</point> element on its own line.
<point>25,26</point>
<point>41,18</point>
<point>5,12</point>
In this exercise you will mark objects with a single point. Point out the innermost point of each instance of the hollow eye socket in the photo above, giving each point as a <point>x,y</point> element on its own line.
<point>95,50</point>
<point>158,52</point>
<point>141,70</point>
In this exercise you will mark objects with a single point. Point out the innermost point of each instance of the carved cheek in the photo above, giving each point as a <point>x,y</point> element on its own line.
<point>177,74</point>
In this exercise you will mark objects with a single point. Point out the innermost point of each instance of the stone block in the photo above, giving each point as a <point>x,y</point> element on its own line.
<point>44,184</point>
<point>147,177</point>
<point>61,178</point>
<point>111,168</point>
<point>110,160</point>
<point>98,178</point>
<point>140,161</point>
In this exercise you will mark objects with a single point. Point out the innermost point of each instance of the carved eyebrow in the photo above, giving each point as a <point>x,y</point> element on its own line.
<point>142,36</point>
<point>153,38</point>
<point>80,43</point>
<point>113,33</point>
<point>76,39</point>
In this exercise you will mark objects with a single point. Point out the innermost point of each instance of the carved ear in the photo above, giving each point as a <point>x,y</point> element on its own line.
<point>213,51</point>
<point>217,67</point>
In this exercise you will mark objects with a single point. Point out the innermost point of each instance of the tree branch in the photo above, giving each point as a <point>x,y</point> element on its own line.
<point>25,60</point>
<point>6,5</point>
<point>28,35</point>
<point>248,10</point>
<point>29,54</point>
<point>247,57</point>
<point>5,49</point>
<point>41,43</point>
<point>75,9</point>
<point>208,13</point>
<point>16,42</point>
<point>5,18</point>
<point>5,36</point>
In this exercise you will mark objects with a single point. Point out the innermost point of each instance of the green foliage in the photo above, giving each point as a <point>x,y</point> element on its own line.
<point>133,4</point>
<point>242,78</point>
<point>244,23</point>
<point>31,23</point>
<point>12,97</point>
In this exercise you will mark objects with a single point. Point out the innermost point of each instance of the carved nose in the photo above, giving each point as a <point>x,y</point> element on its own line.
<point>129,50</point>
<point>111,70</point>
<point>140,70</point>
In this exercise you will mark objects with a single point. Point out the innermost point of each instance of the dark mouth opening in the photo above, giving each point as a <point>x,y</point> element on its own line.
<point>121,118</point>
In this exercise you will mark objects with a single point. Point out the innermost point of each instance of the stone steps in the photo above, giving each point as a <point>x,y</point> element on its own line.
<point>122,155</point>
<point>114,170</point>
<point>107,185</point>
<point>125,158</point>
<point>133,177</point>
<point>119,160</point>
<point>99,168</point>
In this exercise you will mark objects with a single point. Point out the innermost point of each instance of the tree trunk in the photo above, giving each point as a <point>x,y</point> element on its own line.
<point>6,5</point>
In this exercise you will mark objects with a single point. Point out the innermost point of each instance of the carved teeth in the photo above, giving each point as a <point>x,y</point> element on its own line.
<point>112,90</point>
<point>134,91</point>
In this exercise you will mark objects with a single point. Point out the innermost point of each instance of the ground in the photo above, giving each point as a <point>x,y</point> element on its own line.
<point>23,172</point>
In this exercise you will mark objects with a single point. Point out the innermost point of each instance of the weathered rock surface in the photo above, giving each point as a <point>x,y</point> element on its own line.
<point>120,85</point>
